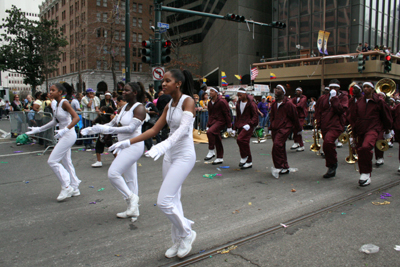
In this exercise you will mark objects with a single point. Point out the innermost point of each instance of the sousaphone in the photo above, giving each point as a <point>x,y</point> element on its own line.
<point>387,86</point>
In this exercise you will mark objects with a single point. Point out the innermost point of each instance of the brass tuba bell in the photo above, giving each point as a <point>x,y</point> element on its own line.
<point>382,145</point>
<point>387,86</point>
<point>343,138</point>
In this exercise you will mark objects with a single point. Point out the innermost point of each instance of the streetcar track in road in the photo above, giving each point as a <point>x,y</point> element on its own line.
<point>214,251</point>
<point>35,152</point>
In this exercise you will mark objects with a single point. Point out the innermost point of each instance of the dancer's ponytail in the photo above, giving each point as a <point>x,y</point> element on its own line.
<point>187,80</point>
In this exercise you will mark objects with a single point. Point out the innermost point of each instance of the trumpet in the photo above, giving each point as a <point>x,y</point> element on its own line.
<point>316,136</point>
<point>382,145</point>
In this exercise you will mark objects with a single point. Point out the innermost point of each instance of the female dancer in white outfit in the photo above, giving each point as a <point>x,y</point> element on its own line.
<point>179,158</point>
<point>62,112</point>
<point>127,124</point>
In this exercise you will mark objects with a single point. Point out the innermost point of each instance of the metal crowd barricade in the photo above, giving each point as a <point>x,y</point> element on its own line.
<point>18,123</point>
<point>87,120</point>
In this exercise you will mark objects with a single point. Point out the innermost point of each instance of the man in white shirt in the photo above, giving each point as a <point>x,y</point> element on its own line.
<point>90,104</point>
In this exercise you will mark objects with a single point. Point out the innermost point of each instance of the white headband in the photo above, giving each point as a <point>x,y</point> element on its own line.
<point>356,85</point>
<point>212,88</point>
<point>241,90</point>
<point>283,88</point>
<point>107,94</point>
<point>334,85</point>
<point>299,89</point>
<point>326,88</point>
<point>369,84</point>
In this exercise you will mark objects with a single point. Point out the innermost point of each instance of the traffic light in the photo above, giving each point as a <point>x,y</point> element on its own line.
<point>147,53</point>
<point>361,63</point>
<point>165,51</point>
<point>388,63</point>
<point>278,25</point>
<point>234,17</point>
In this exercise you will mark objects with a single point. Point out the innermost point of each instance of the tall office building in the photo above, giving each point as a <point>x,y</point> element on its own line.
<point>95,31</point>
<point>220,45</point>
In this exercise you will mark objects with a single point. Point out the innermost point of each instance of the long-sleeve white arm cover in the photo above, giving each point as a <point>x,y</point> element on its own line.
<point>105,129</point>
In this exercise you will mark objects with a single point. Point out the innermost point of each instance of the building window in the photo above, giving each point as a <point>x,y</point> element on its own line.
<point>116,51</point>
<point>104,17</point>
<point>98,17</point>
<point>83,3</point>
<point>140,37</point>
<point>116,35</point>
<point>123,20</point>
<point>133,22</point>
<point>123,50</point>
<point>134,37</point>
<point>98,49</point>
<point>139,52</point>
<point>98,32</point>
<point>151,10</point>
<point>105,33</point>
<point>63,3</point>
<point>71,39</point>
<point>123,65</point>
<point>98,3</point>
<point>83,16</point>
<point>123,36</point>
<point>98,64</point>
<point>134,51</point>
<point>140,9</point>
<point>122,4</point>
<point>116,65</point>
<point>63,15</point>
<point>117,20</point>
<point>134,66</point>
<point>64,70</point>
<point>105,65</point>
<point>105,3</point>
<point>77,5</point>
<point>56,7</point>
<point>140,68</point>
<point>71,10</point>
<point>140,21</point>
<point>71,68</point>
<point>134,7</point>
<point>150,23</point>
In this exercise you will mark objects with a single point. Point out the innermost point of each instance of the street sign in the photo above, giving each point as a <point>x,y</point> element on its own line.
<point>163,25</point>
<point>158,73</point>
<point>162,30</point>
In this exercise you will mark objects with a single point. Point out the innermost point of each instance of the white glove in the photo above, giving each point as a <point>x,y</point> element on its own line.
<point>333,93</point>
<point>229,130</point>
<point>98,128</point>
<point>33,130</point>
<point>60,133</point>
<point>121,145</point>
<point>207,128</point>
<point>387,136</point>
<point>87,131</point>
<point>154,152</point>
<point>246,127</point>
<point>233,133</point>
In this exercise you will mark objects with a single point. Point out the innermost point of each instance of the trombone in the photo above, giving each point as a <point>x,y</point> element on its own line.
<point>316,136</point>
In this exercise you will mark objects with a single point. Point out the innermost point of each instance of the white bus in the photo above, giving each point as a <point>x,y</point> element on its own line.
<point>5,93</point>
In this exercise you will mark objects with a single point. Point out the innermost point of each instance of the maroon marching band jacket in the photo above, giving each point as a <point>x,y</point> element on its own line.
<point>331,115</point>
<point>374,115</point>
<point>219,112</point>
<point>302,107</point>
<point>285,116</point>
<point>352,104</point>
<point>396,118</point>
<point>249,116</point>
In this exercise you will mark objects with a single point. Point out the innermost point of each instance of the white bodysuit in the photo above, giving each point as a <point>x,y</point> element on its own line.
<point>125,162</point>
<point>178,162</point>
<point>62,151</point>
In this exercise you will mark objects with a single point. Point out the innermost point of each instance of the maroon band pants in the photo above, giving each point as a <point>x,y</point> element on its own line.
<point>329,146</point>
<point>365,146</point>
<point>243,141</point>
<point>214,139</point>
<point>298,138</point>
<point>279,156</point>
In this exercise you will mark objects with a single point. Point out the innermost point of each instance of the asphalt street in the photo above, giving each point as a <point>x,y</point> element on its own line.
<point>36,230</point>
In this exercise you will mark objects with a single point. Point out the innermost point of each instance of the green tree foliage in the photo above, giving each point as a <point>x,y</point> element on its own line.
<point>30,47</point>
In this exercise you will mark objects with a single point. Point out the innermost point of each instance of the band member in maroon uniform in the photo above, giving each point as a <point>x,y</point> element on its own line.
<point>371,116</point>
<point>218,117</point>
<point>330,116</point>
<point>300,101</point>
<point>396,125</point>
<point>246,121</point>
<point>283,118</point>
<point>379,155</point>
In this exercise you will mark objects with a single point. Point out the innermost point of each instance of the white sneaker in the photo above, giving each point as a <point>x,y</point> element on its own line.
<point>247,165</point>
<point>365,179</point>
<point>98,164</point>
<point>186,245</point>
<point>210,155</point>
<point>133,207</point>
<point>218,161</point>
<point>379,162</point>
<point>76,193</point>
<point>173,251</point>
<point>339,144</point>
<point>242,161</point>
<point>300,149</point>
<point>295,146</point>
<point>65,193</point>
